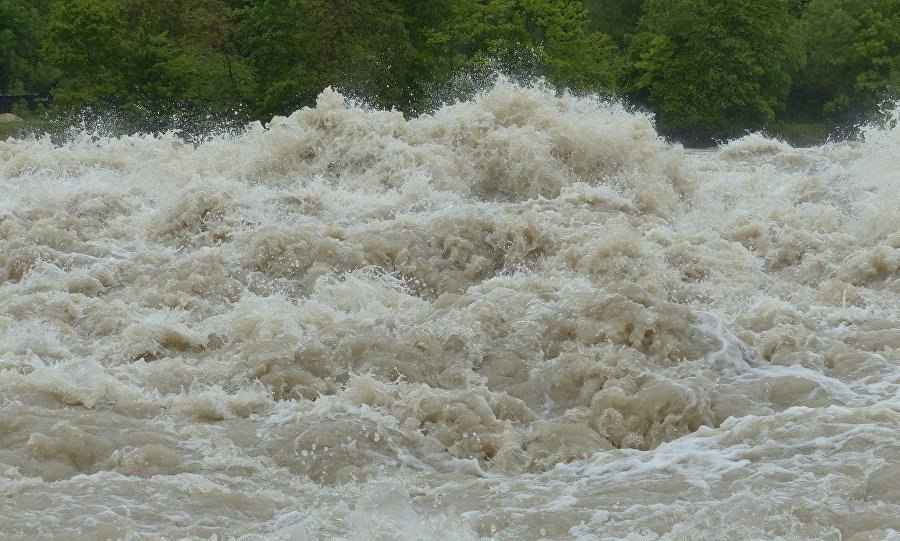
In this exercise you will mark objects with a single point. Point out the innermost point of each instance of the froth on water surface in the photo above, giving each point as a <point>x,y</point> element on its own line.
<point>523,316</point>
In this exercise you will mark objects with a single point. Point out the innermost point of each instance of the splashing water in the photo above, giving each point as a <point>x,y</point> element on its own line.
<point>524,316</point>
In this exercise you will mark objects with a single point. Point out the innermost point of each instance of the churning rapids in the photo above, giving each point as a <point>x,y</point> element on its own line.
<point>524,316</point>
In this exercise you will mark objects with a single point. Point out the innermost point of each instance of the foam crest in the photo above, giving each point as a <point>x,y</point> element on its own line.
<point>754,144</point>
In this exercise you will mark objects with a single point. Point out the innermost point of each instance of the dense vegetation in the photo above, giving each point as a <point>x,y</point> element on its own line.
<point>705,67</point>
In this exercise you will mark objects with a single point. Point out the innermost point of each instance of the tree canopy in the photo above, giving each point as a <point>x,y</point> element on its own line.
<point>299,47</point>
<point>712,64</point>
<point>852,56</point>
<point>21,69</point>
<point>704,67</point>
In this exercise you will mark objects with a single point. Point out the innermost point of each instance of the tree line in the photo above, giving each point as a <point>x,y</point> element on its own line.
<point>704,67</point>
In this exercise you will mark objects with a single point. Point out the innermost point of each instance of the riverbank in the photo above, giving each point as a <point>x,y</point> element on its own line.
<point>8,129</point>
<point>22,127</point>
<point>803,135</point>
<point>797,135</point>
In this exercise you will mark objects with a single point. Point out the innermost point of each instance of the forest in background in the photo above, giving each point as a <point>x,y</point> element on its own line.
<point>705,68</point>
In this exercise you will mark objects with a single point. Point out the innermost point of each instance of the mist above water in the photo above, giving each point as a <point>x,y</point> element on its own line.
<point>523,316</point>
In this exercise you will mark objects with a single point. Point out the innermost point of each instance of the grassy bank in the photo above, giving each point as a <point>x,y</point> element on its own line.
<point>24,127</point>
<point>10,129</point>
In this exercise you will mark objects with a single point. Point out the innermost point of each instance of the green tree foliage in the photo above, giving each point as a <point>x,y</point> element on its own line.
<point>574,58</point>
<point>213,32</point>
<point>797,7</point>
<point>149,54</point>
<point>614,17</point>
<point>299,47</point>
<point>712,66</point>
<point>187,52</point>
<point>853,57</point>
<point>21,23</point>
<point>87,42</point>
<point>528,38</point>
<point>705,67</point>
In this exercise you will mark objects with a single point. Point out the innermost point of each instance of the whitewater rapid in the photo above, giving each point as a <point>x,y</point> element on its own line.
<point>524,316</point>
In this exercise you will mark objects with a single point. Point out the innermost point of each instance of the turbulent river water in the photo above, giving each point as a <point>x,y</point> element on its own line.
<point>522,317</point>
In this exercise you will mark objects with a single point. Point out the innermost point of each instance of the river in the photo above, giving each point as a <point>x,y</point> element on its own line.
<point>524,316</point>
